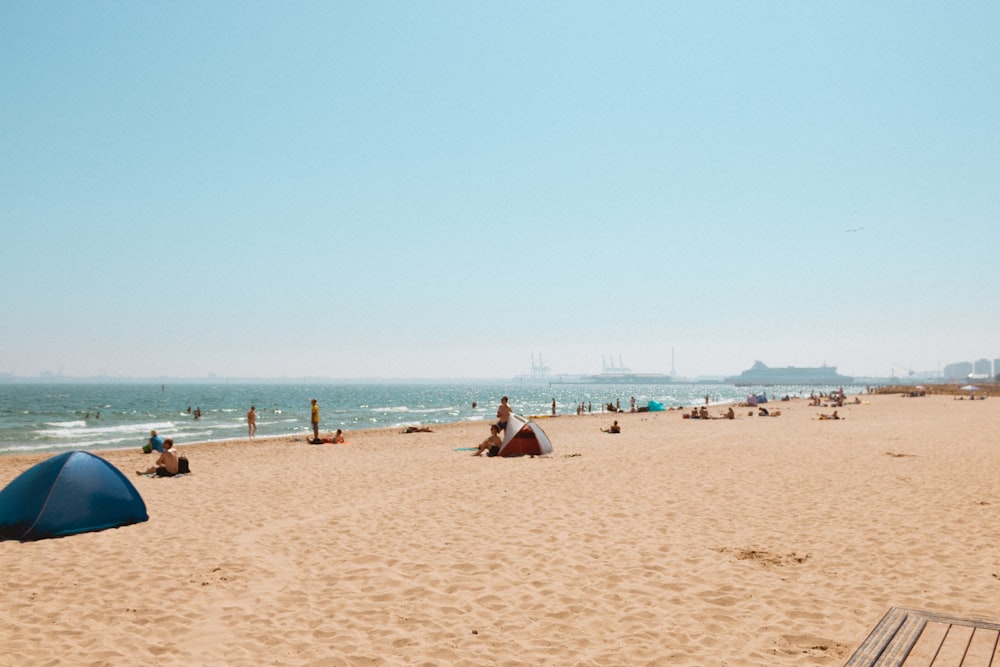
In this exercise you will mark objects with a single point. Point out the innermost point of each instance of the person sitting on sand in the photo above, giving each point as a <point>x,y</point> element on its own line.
<point>614,428</point>
<point>166,465</point>
<point>730,413</point>
<point>490,445</point>
<point>155,443</point>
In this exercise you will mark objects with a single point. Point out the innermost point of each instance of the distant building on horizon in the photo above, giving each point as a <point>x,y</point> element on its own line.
<point>964,371</point>
<point>958,372</point>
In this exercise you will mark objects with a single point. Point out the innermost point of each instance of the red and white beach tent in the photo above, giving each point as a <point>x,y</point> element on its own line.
<point>523,437</point>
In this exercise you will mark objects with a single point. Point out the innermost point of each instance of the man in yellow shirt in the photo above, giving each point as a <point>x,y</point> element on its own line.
<point>315,419</point>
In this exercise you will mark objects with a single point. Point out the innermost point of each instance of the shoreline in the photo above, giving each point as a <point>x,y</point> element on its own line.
<point>760,541</point>
<point>291,436</point>
<point>45,422</point>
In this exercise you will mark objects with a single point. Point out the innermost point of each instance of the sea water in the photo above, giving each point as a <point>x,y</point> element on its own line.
<point>54,417</point>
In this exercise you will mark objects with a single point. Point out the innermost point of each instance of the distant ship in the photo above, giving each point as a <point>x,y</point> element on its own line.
<point>759,374</point>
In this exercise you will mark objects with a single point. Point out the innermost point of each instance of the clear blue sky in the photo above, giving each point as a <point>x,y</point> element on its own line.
<point>442,189</point>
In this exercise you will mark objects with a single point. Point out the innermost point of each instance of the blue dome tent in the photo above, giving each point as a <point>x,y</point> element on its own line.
<point>70,493</point>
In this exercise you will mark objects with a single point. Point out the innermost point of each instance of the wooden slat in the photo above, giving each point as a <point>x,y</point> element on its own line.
<point>954,646</point>
<point>981,648</point>
<point>909,632</point>
<point>926,648</point>
<point>878,639</point>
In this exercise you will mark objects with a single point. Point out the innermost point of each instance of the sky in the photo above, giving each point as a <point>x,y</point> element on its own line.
<point>451,189</point>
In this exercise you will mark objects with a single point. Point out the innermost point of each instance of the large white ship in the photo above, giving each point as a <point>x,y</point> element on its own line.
<point>761,375</point>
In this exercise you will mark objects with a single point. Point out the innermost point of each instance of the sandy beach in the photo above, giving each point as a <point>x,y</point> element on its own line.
<point>754,541</point>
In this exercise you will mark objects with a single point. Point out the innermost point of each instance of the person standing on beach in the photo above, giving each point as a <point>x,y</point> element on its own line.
<point>315,419</point>
<point>252,421</point>
<point>553,407</point>
<point>503,414</point>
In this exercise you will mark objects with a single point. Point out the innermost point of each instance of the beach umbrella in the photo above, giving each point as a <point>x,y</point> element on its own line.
<point>970,388</point>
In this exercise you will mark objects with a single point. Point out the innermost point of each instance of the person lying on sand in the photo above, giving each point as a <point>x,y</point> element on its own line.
<point>336,439</point>
<point>614,428</point>
<point>833,416</point>
<point>416,429</point>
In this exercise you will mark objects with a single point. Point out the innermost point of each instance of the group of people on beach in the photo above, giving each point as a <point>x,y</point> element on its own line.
<point>702,413</point>
<point>169,463</point>
<point>491,445</point>
<point>336,439</point>
<point>833,399</point>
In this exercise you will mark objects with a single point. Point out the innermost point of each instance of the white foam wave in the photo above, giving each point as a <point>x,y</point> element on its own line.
<point>409,410</point>
<point>76,423</point>
<point>107,432</point>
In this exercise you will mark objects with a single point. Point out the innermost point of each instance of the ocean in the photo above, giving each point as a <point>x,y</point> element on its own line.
<point>51,417</point>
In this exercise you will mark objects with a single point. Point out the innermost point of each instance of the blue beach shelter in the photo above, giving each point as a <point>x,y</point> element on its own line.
<point>70,493</point>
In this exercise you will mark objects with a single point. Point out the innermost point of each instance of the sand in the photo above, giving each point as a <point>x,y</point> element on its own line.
<point>757,541</point>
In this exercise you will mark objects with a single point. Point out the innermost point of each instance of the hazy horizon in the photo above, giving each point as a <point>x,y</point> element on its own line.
<point>442,190</point>
<point>554,375</point>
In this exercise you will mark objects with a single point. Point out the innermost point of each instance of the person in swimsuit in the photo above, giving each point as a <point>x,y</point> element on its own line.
<point>489,443</point>
<point>503,414</point>
<point>166,465</point>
